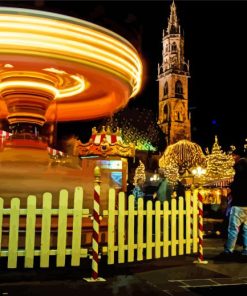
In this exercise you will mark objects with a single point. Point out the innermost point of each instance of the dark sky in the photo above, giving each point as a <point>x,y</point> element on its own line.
<point>215,33</point>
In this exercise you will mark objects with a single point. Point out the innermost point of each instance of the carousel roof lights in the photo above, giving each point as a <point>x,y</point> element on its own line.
<point>29,84</point>
<point>93,66</point>
<point>20,32</point>
<point>79,30</point>
<point>73,90</point>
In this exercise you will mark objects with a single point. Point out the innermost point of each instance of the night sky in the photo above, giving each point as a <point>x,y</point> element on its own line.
<point>215,33</point>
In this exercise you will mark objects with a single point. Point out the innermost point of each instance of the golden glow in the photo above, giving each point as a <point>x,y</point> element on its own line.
<point>29,84</point>
<point>90,71</point>
<point>74,90</point>
<point>26,117</point>
<point>57,93</point>
<point>198,171</point>
<point>54,70</point>
<point>31,33</point>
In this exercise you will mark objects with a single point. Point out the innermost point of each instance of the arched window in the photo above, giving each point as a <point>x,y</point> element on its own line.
<point>179,116</point>
<point>165,112</point>
<point>178,88</point>
<point>166,89</point>
<point>174,46</point>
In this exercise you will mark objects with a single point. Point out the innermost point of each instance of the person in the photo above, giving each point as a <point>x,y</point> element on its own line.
<point>180,189</point>
<point>138,190</point>
<point>226,205</point>
<point>150,189</point>
<point>164,191</point>
<point>238,212</point>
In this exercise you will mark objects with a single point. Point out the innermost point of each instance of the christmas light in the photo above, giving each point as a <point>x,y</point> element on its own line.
<point>140,173</point>
<point>219,164</point>
<point>180,158</point>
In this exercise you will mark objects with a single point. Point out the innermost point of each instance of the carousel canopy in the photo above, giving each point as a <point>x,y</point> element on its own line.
<point>56,67</point>
<point>105,143</point>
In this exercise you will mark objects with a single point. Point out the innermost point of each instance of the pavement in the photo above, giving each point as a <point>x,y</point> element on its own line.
<point>178,276</point>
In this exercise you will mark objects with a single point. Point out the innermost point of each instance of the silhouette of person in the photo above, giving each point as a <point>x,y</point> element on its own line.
<point>164,191</point>
<point>138,190</point>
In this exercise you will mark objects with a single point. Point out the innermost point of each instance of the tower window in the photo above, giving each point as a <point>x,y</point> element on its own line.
<point>178,116</point>
<point>178,88</point>
<point>166,89</point>
<point>165,113</point>
<point>174,46</point>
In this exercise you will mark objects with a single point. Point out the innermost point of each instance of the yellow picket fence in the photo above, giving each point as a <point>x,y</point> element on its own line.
<point>14,221</point>
<point>158,230</point>
<point>153,230</point>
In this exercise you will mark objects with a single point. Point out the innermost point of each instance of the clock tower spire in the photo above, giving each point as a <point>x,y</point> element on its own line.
<point>173,26</point>
<point>173,75</point>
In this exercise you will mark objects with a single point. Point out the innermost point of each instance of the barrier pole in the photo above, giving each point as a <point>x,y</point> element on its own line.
<point>192,188</point>
<point>200,258</point>
<point>96,224</point>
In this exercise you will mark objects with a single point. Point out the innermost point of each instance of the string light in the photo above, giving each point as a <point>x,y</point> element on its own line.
<point>180,158</point>
<point>140,173</point>
<point>219,164</point>
<point>131,121</point>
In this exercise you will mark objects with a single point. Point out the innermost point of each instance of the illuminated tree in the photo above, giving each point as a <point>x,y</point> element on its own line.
<point>140,173</point>
<point>170,170</point>
<point>219,164</point>
<point>180,158</point>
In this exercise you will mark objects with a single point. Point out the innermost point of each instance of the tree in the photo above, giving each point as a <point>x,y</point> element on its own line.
<point>180,158</point>
<point>140,173</point>
<point>219,164</point>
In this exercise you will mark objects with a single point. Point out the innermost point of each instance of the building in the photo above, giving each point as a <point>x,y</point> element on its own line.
<point>173,75</point>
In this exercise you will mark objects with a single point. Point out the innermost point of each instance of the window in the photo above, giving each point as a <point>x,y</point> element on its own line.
<point>166,89</point>
<point>178,116</point>
<point>165,113</point>
<point>174,46</point>
<point>178,88</point>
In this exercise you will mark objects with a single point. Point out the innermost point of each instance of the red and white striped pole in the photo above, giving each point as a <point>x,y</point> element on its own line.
<point>200,258</point>
<point>191,210</point>
<point>96,224</point>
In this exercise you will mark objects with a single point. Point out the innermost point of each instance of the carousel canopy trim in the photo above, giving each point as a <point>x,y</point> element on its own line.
<point>105,143</point>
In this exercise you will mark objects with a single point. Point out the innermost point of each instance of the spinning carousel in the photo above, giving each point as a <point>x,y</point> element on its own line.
<point>55,68</point>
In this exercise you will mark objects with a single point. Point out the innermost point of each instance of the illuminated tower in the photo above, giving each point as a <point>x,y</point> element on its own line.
<point>173,76</point>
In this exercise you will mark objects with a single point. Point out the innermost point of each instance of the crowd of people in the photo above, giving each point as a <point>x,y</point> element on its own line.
<point>161,190</point>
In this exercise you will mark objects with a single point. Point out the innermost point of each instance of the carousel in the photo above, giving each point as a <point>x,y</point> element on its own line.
<point>55,68</point>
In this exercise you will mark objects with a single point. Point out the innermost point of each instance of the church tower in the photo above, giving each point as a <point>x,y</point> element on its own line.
<point>173,75</point>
